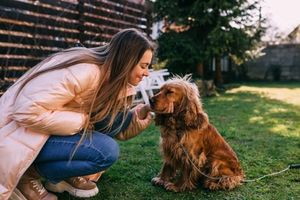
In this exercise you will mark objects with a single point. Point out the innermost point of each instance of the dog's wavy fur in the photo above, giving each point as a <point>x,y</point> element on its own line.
<point>183,122</point>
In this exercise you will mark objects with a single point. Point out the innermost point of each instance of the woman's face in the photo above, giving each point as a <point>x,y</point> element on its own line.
<point>141,69</point>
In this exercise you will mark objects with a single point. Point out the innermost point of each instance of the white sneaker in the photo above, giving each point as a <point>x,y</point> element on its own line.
<point>77,186</point>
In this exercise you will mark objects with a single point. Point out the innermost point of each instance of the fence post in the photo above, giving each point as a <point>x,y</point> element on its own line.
<point>80,9</point>
<point>149,8</point>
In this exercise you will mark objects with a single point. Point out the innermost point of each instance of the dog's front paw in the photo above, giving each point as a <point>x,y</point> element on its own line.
<point>157,181</point>
<point>186,186</point>
<point>171,187</point>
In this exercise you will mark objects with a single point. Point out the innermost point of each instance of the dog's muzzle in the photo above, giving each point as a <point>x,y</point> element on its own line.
<point>152,103</point>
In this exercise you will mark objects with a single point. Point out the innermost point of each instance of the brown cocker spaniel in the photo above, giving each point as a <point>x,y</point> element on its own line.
<point>193,150</point>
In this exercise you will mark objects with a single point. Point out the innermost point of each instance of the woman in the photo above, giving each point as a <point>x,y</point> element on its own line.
<point>59,119</point>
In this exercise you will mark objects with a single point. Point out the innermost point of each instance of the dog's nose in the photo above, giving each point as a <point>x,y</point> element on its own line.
<point>151,101</point>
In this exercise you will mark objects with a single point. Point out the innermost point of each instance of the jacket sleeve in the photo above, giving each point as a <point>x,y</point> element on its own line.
<point>40,104</point>
<point>136,125</point>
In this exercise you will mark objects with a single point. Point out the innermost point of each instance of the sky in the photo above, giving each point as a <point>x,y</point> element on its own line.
<point>283,14</point>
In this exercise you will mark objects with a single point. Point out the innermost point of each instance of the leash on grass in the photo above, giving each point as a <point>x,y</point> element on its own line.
<point>291,166</point>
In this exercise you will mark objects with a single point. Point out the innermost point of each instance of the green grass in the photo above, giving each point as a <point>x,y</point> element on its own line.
<point>265,134</point>
<point>289,85</point>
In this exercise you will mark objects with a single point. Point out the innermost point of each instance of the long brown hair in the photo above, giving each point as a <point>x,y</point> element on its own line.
<point>115,60</point>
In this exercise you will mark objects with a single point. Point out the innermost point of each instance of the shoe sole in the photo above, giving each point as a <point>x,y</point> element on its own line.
<point>17,195</point>
<point>65,187</point>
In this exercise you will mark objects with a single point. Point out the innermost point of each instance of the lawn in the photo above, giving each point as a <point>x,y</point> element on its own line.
<point>262,129</point>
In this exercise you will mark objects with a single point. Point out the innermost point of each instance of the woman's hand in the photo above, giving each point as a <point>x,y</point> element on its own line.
<point>143,111</point>
<point>144,116</point>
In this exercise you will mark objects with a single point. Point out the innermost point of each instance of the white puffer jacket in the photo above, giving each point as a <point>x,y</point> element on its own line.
<point>45,106</point>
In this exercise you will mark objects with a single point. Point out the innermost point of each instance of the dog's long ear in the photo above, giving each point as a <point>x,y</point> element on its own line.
<point>193,108</point>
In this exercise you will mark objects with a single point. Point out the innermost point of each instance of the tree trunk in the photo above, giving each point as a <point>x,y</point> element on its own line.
<point>218,72</point>
<point>200,70</point>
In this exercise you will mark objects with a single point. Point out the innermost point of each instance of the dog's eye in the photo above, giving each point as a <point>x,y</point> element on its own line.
<point>169,92</point>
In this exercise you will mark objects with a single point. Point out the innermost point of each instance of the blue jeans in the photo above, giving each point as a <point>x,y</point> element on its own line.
<point>96,153</point>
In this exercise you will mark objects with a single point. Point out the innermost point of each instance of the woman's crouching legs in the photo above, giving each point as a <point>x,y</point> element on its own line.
<point>96,153</point>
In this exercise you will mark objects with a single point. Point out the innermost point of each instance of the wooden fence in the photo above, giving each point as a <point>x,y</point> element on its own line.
<point>33,29</point>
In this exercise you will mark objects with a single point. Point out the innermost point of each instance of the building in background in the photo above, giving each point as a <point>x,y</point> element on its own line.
<point>278,61</point>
